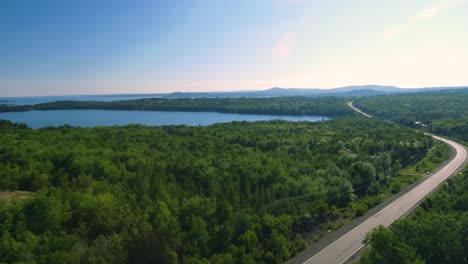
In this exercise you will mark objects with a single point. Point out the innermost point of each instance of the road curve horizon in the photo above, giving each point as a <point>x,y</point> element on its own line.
<point>347,245</point>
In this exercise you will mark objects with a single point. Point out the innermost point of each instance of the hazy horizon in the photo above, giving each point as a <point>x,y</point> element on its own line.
<point>227,91</point>
<point>106,47</point>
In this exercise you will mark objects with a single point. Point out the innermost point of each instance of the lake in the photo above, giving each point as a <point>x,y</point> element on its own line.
<point>92,118</point>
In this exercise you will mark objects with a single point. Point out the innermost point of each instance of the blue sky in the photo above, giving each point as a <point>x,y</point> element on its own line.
<point>55,47</point>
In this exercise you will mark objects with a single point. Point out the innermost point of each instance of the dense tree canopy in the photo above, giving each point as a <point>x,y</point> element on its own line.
<point>443,112</point>
<point>228,193</point>
<point>438,231</point>
<point>435,233</point>
<point>328,106</point>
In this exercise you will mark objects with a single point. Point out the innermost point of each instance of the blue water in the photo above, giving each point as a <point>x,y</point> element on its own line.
<point>92,118</point>
<point>31,100</point>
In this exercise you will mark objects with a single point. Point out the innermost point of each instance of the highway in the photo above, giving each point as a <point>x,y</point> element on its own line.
<point>350,104</point>
<point>347,245</point>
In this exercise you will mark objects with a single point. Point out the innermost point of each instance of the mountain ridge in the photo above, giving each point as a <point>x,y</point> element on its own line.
<point>354,90</point>
<point>351,90</point>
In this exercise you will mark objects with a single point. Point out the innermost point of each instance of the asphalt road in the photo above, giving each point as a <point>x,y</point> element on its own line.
<point>350,104</point>
<point>347,245</point>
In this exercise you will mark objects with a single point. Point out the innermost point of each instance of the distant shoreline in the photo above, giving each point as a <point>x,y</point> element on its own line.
<point>293,106</point>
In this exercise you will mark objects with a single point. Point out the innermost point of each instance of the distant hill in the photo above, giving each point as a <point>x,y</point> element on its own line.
<point>347,91</point>
<point>364,90</point>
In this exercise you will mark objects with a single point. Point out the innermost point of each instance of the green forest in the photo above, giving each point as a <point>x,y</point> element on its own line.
<point>238,192</point>
<point>443,112</point>
<point>437,232</point>
<point>328,106</point>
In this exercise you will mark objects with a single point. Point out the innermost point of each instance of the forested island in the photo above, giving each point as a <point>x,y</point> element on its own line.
<point>328,106</point>
<point>228,193</point>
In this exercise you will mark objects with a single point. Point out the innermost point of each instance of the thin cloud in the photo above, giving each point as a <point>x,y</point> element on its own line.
<point>428,13</point>
<point>432,11</point>
<point>424,14</point>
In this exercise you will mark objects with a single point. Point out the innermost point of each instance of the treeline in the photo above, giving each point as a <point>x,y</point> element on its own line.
<point>437,232</point>
<point>328,106</point>
<point>452,127</point>
<point>444,112</point>
<point>179,194</point>
<point>15,108</point>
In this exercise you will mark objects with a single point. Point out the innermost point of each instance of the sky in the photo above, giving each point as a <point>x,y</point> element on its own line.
<point>56,47</point>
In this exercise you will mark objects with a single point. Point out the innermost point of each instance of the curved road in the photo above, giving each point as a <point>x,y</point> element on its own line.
<point>350,104</point>
<point>346,246</point>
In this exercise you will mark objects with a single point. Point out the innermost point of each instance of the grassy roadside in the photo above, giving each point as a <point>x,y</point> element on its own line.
<point>434,159</point>
<point>443,209</point>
